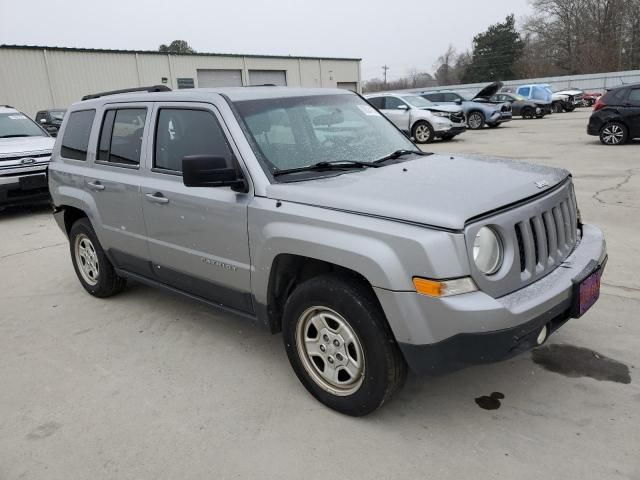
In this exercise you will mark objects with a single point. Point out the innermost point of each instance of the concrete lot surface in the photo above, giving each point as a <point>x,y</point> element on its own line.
<point>148,385</point>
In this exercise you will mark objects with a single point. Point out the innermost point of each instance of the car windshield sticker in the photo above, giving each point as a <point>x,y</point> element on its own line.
<point>367,110</point>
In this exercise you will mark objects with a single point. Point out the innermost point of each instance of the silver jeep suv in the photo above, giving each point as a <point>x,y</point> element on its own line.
<point>309,212</point>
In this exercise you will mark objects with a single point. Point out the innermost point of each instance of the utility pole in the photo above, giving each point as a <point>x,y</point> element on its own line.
<point>384,69</point>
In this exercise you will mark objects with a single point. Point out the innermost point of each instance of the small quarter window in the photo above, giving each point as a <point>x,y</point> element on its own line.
<point>181,132</point>
<point>76,135</point>
<point>634,97</point>
<point>121,136</point>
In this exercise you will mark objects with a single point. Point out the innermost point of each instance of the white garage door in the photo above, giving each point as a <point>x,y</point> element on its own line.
<point>266,77</point>
<point>219,78</point>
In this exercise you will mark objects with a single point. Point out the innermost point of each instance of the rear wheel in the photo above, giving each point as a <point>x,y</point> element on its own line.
<point>423,132</point>
<point>475,120</point>
<point>557,107</point>
<point>614,133</point>
<point>340,345</point>
<point>93,268</point>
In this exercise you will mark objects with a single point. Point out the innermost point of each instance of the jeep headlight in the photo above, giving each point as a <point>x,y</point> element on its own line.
<point>487,251</point>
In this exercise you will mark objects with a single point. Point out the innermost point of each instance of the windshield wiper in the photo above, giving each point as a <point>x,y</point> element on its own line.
<point>335,165</point>
<point>400,153</point>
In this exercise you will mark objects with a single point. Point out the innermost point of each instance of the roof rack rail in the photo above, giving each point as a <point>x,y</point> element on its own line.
<point>153,88</point>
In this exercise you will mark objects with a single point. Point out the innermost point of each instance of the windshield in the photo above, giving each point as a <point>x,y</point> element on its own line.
<point>295,132</point>
<point>57,114</point>
<point>416,101</point>
<point>18,125</point>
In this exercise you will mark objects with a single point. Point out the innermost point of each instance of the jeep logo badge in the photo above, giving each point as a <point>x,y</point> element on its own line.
<point>542,184</point>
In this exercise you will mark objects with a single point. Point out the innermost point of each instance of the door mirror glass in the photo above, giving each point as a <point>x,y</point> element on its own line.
<point>210,171</point>
<point>402,107</point>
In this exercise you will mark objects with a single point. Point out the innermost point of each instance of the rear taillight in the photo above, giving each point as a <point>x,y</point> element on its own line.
<point>599,105</point>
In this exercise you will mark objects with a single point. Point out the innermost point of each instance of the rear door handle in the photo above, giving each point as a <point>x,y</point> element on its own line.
<point>156,197</point>
<point>95,185</point>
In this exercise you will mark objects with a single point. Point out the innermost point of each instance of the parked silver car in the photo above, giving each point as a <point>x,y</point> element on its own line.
<point>478,114</point>
<point>419,117</point>
<point>25,149</point>
<point>307,211</point>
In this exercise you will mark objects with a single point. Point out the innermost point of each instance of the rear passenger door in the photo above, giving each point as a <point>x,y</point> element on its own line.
<point>198,237</point>
<point>114,183</point>
<point>392,109</point>
<point>632,112</point>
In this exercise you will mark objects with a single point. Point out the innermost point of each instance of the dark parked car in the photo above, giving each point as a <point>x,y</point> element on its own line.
<point>520,106</point>
<point>50,120</point>
<point>616,115</point>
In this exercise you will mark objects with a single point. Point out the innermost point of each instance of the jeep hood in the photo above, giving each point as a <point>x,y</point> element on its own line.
<point>20,145</point>
<point>489,91</point>
<point>436,190</point>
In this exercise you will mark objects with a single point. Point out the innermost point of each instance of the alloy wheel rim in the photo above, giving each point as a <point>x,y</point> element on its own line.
<point>87,259</point>
<point>330,350</point>
<point>422,133</point>
<point>613,134</point>
<point>475,121</point>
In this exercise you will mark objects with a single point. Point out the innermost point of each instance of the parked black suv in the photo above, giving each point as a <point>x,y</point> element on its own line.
<point>50,120</point>
<point>616,115</point>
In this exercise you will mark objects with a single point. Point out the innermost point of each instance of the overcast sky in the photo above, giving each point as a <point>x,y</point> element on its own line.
<point>401,35</point>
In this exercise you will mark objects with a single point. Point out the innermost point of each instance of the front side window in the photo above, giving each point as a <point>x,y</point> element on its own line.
<point>434,97</point>
<point>76,135</point>
<point>377,102</point>
<point>14,125</point>
<point>121,136</point>
<point>295,132</point>
<point>451,97</point>
<point>182,132</point>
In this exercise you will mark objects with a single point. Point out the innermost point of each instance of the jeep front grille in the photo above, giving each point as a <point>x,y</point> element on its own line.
<point>546,239</point>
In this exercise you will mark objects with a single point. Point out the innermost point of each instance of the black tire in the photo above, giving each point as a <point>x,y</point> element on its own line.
<point>106,282</point>
<point>557,107</point>
<point>527,113</point>
<point>540,116</point>
<point>423,132</point>
<point>493,125</point>
<point>475,120</point>
<point>569,108</point>
<point>383,366</point>
<point>614,133</point>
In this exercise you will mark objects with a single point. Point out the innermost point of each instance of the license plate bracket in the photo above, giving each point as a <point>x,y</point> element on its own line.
<point>33,182</point>
<point>586,289</point>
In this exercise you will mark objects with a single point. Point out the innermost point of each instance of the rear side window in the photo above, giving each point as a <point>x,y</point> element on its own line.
<point>76,135</point>
<point>182,132</point>
<point>434,97</point>
<point>377,102</point>
<point>634,97</point>
<point>121,136</point>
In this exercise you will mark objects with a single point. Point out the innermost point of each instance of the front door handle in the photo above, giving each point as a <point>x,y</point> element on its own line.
<point>156,197</point>
<point>95,185</point>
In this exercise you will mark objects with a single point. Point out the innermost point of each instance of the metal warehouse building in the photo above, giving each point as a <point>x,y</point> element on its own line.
<point>35,78</point>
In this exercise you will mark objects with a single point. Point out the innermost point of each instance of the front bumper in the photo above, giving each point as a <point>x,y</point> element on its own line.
<point>23,189</point>
<point>500,117</point>
<point>451,132</point>
<point>437,335</point>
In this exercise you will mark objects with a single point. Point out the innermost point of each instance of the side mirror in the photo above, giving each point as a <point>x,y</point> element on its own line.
<point>43,120</point>
<point>402,107</point>
<point>210,171</point>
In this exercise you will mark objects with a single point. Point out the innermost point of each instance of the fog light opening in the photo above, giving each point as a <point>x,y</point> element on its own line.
<point>542,336</point>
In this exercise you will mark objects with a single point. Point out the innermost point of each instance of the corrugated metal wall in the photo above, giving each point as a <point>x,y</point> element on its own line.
<point>33,79</point>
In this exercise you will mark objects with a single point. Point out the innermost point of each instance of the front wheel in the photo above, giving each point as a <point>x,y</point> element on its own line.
<point>423,132</point>
<point>475,120</point>
<point>340,345</point>
<point>527,113</point>
<point>93,268</point>
<point>557,107</point>
<point>614,133</point>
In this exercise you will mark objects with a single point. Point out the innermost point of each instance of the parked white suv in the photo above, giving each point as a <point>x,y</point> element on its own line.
<point>419,117</point>
<point>25,150</point>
